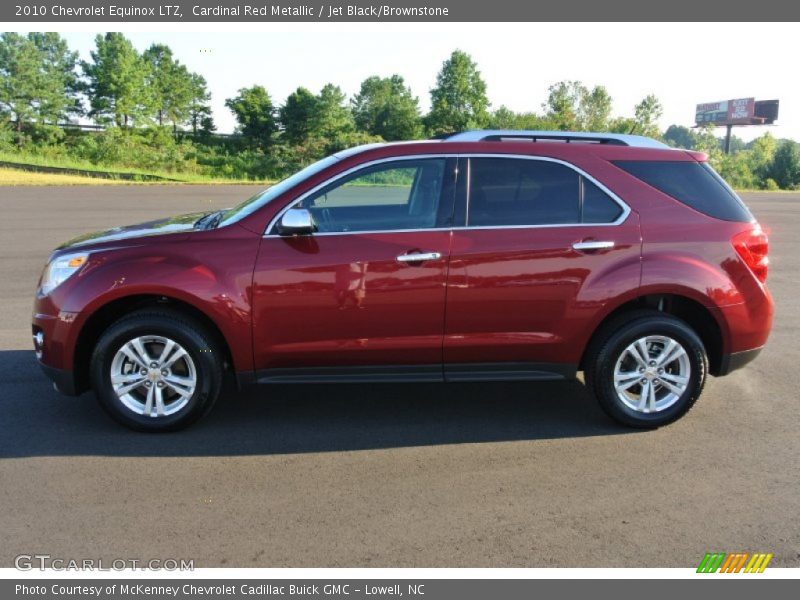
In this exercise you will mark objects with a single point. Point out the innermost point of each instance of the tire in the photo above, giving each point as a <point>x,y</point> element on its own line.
<point>614,359</point>
<point>187,387</point>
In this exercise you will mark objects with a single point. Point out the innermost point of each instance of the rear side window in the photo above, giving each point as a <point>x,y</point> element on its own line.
<point>506,191</point>
<point>694,184</point>
<point>597,206</point>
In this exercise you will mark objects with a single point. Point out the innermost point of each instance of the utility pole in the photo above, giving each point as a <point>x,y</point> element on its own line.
<point>729,129</point>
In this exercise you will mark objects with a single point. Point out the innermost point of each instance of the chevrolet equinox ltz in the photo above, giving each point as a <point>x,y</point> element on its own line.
<point>483,256</point>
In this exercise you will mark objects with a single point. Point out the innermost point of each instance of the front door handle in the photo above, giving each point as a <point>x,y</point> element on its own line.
<point>418,257</point>
<point>592,245</point>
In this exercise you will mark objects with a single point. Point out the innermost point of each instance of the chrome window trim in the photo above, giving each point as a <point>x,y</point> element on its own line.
<point>626,210</point>
<point>269,229</point>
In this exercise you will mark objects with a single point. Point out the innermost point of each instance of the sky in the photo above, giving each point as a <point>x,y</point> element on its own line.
<point>682,64</point>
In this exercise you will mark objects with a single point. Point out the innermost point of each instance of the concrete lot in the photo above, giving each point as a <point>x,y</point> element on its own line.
<point>395,475</point>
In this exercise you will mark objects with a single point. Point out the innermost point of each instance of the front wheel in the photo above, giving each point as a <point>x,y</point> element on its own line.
<point>647,370</point>
<point>156,371</point>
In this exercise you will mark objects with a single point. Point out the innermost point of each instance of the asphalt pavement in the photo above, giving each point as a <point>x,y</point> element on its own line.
<point>458,475</point>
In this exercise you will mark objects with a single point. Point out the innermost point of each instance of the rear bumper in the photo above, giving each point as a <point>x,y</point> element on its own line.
<point>736,360</point>
<point>746,328</point>
<point>63,381</point>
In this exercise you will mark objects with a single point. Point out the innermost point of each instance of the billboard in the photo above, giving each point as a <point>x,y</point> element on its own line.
<point>740,111</point>
<point>767,111</point>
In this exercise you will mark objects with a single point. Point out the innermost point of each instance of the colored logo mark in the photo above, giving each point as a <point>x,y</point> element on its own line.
<point>738,562</point>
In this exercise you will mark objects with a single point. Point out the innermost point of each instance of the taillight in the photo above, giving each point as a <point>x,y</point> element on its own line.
<point>753,246</point>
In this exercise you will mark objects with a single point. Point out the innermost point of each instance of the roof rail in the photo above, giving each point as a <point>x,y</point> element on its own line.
<point>499,135</point>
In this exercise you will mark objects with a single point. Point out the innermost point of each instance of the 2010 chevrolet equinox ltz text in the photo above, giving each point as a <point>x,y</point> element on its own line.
<point>486,255</point>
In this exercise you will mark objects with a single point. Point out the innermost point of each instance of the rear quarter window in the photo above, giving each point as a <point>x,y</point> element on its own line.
<point>692,183</point>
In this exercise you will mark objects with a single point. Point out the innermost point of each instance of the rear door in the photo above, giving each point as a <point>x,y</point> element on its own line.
<point>543,248</point>
<point>364,296</point>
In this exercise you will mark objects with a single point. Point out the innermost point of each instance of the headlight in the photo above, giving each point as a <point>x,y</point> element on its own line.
<point>60,269</point>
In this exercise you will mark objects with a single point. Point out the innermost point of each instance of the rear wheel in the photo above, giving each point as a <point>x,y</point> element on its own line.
<point>647,369</point>
<point>156,371</point>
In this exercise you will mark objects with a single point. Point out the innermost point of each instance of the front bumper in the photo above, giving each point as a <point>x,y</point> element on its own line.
<point>63,381</point>
<point>54,336</point>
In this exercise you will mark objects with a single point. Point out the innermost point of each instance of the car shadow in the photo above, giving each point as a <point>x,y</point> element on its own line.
<point>289,419</point>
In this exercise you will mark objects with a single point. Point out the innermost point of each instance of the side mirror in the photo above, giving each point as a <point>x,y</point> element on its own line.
<point>296,221</point>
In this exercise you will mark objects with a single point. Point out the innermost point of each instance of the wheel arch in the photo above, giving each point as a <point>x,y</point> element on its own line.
<point>702,319</point>
<point>108,313</point>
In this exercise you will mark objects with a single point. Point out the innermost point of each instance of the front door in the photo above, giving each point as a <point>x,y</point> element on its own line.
<point>364,296</point>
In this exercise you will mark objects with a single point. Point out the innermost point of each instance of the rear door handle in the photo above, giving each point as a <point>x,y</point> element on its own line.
<point>418,257</point>
<point>592,245</point>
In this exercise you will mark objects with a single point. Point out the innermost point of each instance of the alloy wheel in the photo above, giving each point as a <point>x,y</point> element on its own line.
<point>153,376</point>
<point>652,374</point>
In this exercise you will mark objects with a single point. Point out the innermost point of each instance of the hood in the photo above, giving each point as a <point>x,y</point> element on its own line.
<point>170,225</point>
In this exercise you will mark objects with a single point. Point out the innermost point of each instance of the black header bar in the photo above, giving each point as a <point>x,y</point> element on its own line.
<point>198,11</point>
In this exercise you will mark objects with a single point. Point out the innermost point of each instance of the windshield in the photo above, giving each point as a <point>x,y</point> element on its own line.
<point>264,197</point>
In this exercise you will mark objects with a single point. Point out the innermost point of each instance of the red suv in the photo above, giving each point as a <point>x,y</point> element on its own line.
<point>487,255</point>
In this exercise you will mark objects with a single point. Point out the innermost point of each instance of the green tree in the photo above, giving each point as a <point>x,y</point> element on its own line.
<point>38,83</point>
<point>735,169</point>
<point>20,78</point>
<point>502,118</point>
<point>562,103</point>
<point>254,112</point>
<point>505,118</point>
<point>679,136</point>
<point>707,142</point>
<point>317,125</point>
<point>171,85</point>
<point>594,110</point>
<point>296,115</point>
<point>646,116</point>
<point>621,124</point>
<point>345,140</point>
<point>386,107</point>
<point>785,168</point>
<point>59,95</point>
<point>207,125</point>
<point>571,106</point>
<point>737,144</point>
<point>331,117</point>
<point>458,101</point>
<point>117,88</point>
<point>762,154</point>
<point>199,107</point>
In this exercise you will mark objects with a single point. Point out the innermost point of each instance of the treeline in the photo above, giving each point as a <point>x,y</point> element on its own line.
<point>157,115</point>
<point>764,163</point>
<point>44,83</point>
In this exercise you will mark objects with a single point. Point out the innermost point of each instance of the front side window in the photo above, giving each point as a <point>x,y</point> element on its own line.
<point>506,192</point>
<point>398,195</point>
